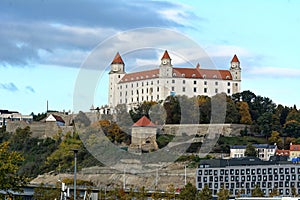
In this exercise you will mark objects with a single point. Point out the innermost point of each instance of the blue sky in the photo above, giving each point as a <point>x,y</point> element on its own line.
<point>44,44</point>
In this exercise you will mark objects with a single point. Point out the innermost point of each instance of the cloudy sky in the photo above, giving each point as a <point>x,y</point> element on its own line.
<point>45,45</point>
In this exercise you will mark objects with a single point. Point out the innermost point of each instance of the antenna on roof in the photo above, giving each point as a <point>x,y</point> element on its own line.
<point>47,107</point>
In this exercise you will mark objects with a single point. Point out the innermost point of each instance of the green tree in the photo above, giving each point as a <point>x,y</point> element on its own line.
<point>294,192</point>
<point>205,193</point>
<point>292,128</point>
<point>232,113</point>
<point>142,109</point>
<point>173,110</point>
<point>10,163</point>
<point>274,192</point>
<point>257,192</point>
<point>223,193</point>
<point>204,103</point>
<point>250,150</point>
<point>189,192</point>
<point>275,138</point>
<point>243,109</point>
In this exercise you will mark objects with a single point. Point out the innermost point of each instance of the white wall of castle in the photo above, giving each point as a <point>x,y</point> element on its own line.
<point>157,89</point>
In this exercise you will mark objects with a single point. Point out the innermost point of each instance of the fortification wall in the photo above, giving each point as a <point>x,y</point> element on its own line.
<point>203,129</point>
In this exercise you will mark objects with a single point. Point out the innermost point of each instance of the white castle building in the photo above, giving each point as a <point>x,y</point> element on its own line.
<point>166,80</point>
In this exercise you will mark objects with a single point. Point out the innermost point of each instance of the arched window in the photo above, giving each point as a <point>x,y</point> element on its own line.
<point>193,75</point>
<point>204,75</point>
<point>215,76</point>
<point>183,75</point>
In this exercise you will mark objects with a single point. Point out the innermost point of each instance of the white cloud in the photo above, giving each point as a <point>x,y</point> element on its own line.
<point>274,72</point>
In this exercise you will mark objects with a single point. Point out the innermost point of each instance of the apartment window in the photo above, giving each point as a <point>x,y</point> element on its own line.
<point>228,84</point>
<point>195,82</point>
<point>205,82</point>
<point>157,97</point>
<point>216,83</point>
<point>120,94</point>
<point>157,89</point>
<point>125,93</point>
<point>195,89</point>
<point>173,88</point>
<point>205,90</point>
<point>137,84</point>
<point>216,90</point>
<point>228,91</point>
<point>126,86</point>
<point>183,89</point>
<point>173,81</point>
<point>183,81</point>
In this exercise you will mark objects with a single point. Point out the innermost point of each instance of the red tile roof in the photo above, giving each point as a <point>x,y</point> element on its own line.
<point>166,55</point>
<point>196,73</point>
<point>117,59</point>
<point>282,152</point>
<point>144,122</point>
<point>149,74</point>
<point>295,147</point>
<point>58,118</point>
<point>235,59</point>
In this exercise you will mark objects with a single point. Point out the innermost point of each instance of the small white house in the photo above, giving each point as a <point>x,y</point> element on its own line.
<point>265,151</point>
<point>55,118</point>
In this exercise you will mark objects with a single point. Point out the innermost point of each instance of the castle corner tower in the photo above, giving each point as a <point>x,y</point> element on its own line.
<point>235,70</point>
<point>117,71</point>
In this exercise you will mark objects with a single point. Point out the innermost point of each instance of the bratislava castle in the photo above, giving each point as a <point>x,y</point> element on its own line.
<point>166,80</point>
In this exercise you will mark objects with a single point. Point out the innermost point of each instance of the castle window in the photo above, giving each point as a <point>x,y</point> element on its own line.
<point>173,81</point>
<point>183,75</point>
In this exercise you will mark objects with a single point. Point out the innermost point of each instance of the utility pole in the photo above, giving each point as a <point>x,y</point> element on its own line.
<point>75,170</point>
<point>185,175</point>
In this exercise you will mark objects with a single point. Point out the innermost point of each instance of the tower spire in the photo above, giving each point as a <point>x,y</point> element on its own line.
<point>117,59</point>
<point>235,59</point>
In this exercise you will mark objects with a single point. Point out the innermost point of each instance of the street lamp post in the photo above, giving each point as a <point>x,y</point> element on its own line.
<point>75,171</point>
